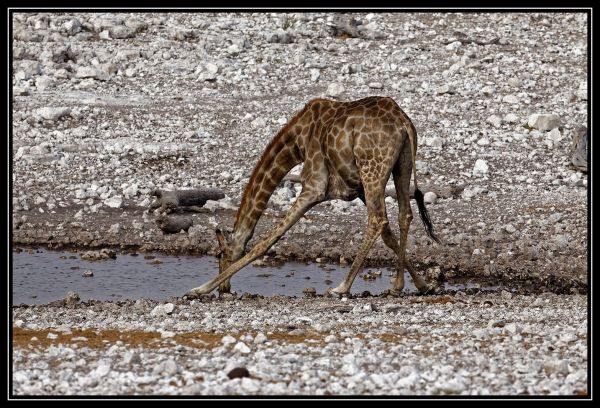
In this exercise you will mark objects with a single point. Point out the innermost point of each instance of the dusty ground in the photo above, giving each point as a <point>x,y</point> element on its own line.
<point>108,107</point>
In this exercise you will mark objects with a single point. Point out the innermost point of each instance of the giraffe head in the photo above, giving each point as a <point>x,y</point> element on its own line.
<point>227,252</point>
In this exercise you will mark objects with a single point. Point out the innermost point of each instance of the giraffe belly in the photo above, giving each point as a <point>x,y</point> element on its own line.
<point>344,185</point>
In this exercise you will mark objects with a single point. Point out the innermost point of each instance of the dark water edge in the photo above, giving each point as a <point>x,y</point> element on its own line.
<point>40,276</point>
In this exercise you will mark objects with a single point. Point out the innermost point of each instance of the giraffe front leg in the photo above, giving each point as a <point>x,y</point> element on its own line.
<point>305,201</point>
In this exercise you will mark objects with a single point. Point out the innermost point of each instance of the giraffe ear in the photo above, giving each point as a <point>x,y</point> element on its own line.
<point>221,239</point>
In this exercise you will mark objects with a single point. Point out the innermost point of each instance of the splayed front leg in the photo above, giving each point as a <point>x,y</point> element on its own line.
<point>206,288</point>
<point>306,200</point>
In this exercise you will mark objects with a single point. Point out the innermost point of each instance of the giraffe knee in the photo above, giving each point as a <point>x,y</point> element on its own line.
<point>404,219</point>
<point>381,224</point>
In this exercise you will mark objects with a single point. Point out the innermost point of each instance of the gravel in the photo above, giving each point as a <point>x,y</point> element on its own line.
<point>450,344</point>
<point>109,107</point>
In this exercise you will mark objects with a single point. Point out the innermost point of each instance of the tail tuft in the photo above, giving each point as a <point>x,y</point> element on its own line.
<point>425,216</point>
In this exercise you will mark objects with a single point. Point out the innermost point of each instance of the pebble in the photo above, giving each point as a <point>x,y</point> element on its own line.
<point>335,90</point>
<point>53,114</point>
<point>260,338</point>
<point>480,169</point>
<point>512,99</point>
<point>114,202</point>
<point>163,310</point>
<point>543,122</point>
<point>226,340</point>
<point>430,197</point>
<point>241,347</point>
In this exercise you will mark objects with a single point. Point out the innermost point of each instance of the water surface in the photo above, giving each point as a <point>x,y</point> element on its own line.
<point>41,276</point>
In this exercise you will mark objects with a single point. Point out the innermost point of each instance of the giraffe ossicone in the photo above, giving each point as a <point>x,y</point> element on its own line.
<point>349,151</point>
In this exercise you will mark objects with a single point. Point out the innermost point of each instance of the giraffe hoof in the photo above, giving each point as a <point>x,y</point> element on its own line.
<point>427,289</point>
<point>395,292</point>
<point>226,296</point>
<point>331,292</point>
<point>196,293</point>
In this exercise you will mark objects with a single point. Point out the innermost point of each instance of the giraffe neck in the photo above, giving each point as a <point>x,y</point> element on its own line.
<point>280,156</point>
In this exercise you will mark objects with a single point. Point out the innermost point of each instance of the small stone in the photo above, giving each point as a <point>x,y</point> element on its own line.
<point>375,85</point>
<point>453,46</point>
<point>163,310</point>
<point>430,197</point>
<point>71,298</point>
<point>481,334</point>
<point>496,121</point>
<point>238,372</point>
<point>510,99</point>
<point>102,370</point>
<point>242,348</point>
<point>554,218</point>
<point>250,385</point>
<point>114,202</point>
<point>453,386</point>
<point>511,118</point>
<point>131,357</point>
<point>121,32</point>
<point>543,121</point>
<point>168,367</point>
<point>226,340</point>
<point>314,74</point>
<point>554,135</point>
<point>512,328</point>
<point>568,337</point>
<point>72,26</point>
<point>556,367</point>
<point>480,169</point>
<point>53,114</point>
<point>506,295</point>
<point>436,142</point>
<point>334,90</point>
<point>309,292</point>
<point>497,323</point>
<point>114,229</point>
<point>260,338</point>
<point>510,228</point>
<point>514,82</point>
<point>166,334</point>
<point>87,274</point>
<point>582,91</point>
<point>52,336</point>
<point>86,72</point>
<point>445,89</point>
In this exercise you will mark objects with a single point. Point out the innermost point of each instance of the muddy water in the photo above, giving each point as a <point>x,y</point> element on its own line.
<point>41,276</point>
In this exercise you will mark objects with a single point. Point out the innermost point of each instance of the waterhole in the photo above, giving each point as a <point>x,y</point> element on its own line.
<point>41,276</point>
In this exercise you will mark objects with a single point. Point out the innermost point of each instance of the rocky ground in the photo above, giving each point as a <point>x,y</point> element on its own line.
<point>459,344</point>
<point>109,107</point>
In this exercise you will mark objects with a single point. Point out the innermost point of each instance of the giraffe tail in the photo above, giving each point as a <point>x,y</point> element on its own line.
<point>425,215</point>
<point>412,134</point>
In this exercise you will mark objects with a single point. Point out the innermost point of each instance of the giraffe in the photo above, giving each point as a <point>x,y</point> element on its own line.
<point>349,150</point>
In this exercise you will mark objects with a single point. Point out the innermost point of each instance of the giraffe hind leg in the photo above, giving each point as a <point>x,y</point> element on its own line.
<point>402,173</point>
<point>374,171</point>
